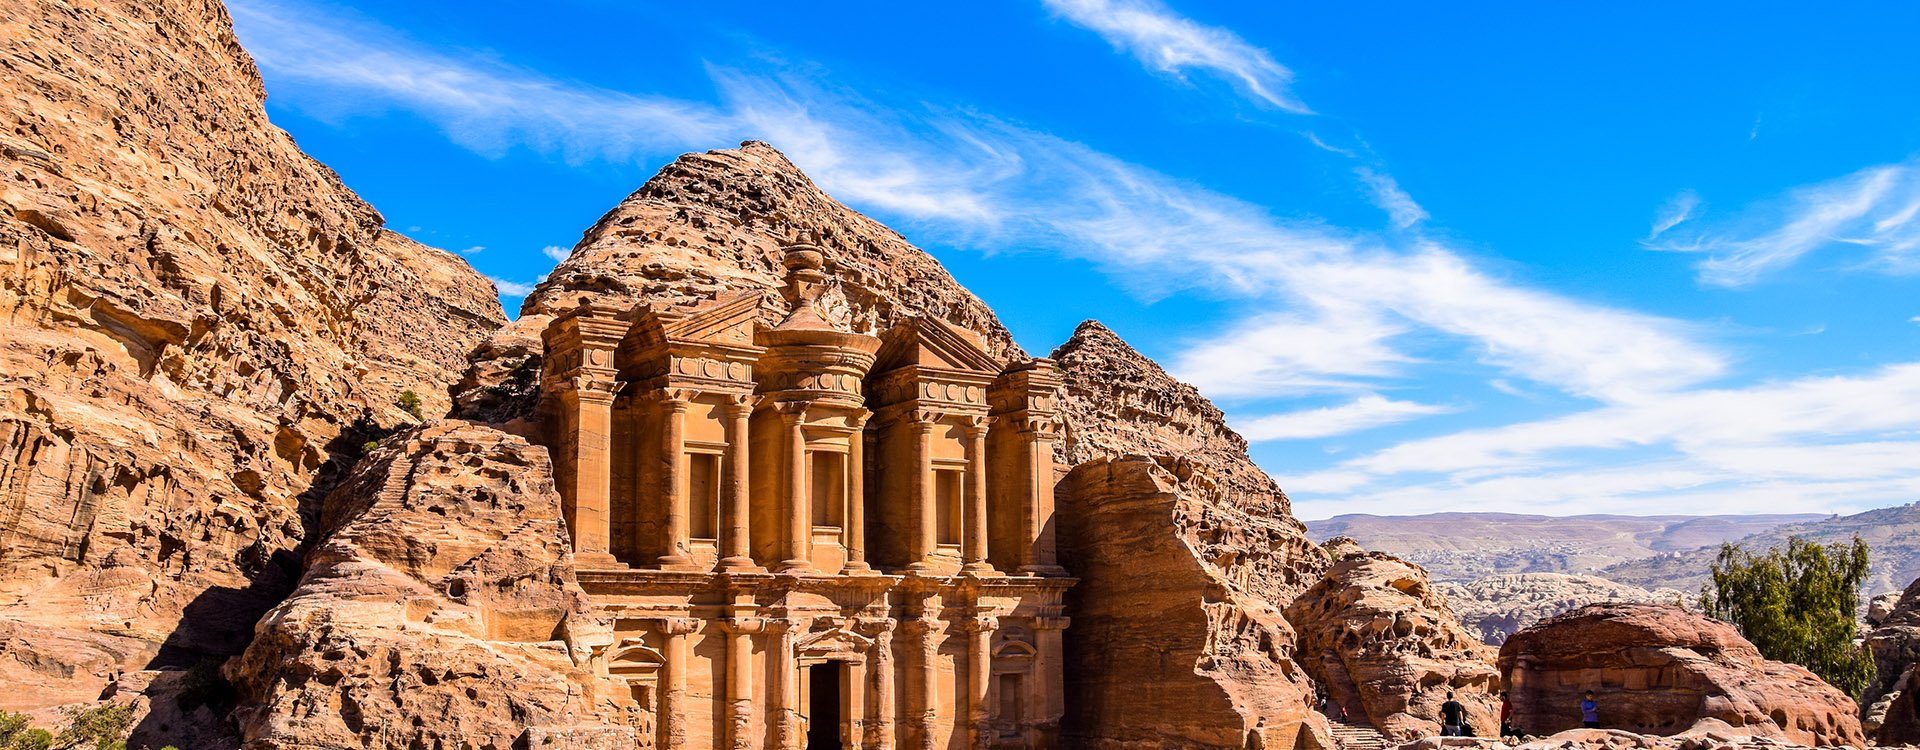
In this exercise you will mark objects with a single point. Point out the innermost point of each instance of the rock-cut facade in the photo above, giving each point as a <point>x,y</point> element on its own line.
<point>804,536</point>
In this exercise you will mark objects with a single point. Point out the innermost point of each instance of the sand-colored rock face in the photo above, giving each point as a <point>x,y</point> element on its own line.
<point>1661,669</point>
<point>440,610</point>
<point>1164,651</point>
<point>1384,644</point>
<point>1892,702</point>
<point>193,314</point>
<point>1118,402</point>
<point>1496,607</point>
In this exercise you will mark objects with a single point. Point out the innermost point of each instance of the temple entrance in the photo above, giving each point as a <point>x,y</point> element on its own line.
<point>823,705</point>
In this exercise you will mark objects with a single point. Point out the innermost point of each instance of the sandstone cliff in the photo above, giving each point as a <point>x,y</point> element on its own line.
<point>1661,670</point>
<point>440,610</point>
<point>1382,642</point>
<point>1496,607</point>
<point>1892,702</point>
<point>195,320</point>
<point>714,222</point>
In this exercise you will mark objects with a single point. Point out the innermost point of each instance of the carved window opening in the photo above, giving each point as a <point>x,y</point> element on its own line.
<point>829,493</point>
<point>948,488</point>
<point>703,495</point>
<point>1012,694</point>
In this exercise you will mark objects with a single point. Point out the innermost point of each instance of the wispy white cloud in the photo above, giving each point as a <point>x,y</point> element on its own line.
<point>1174,44</point>
<point>1314,138</point>
<point>1677,210</point>
<point>1386,194</point>
<point>1363,413</point>
<point>557,253</point>
<point>510,288</point>
<point>1869,215</point>
<point>475,250</point>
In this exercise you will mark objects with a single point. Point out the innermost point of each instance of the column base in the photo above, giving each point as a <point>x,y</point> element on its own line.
<point>1045,571</point>
<point>596,560</point>
<point>858,568</point>
<point>797,568</point>
<point>737,565</point>
<point>980,570</point>
<point>677,563</point>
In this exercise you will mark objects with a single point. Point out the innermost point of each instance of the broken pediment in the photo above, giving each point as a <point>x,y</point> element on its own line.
<point>930,342</point>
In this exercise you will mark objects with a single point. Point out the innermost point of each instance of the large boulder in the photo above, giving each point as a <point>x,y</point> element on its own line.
<point>1892,702</point>
<point>1661,669</point>
<point>1165,651</point>
<point>441,609</point>
<point>1381,640</point>
<point>199,327</point>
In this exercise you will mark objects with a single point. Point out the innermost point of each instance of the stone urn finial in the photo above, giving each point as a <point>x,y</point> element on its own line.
<point>806,279</point>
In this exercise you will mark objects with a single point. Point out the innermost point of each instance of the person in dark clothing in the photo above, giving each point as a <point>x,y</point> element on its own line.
<point>1453,717</point>
<point>1590,712</point>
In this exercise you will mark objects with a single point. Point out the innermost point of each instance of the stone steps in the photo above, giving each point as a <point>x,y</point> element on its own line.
<point>1353,736</point>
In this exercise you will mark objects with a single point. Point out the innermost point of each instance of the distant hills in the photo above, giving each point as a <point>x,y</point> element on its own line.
<point>1651,552</point>
<point>1464,547</point>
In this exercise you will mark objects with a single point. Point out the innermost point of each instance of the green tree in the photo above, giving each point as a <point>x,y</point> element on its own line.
<point>103,727</point>
<point>1797,605</point>
<point>409,402</point>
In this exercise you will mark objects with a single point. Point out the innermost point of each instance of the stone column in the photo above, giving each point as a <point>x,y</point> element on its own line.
<point>579,385</point>
<point>853,695</point>
<point>880,727</point>
<point>1041,434</point>
<point>979,630</point>
<point>592,473</point>
<point>799,516</point>
<point>920,548</point>
<point>739,688</point>
<point>1047,680</point>
<point>856,521</point>
<point>673,410</point>
<point>974,535</point>
<point>673,686</point>
<point>736,542</point>
<point>783,688</point>
<point>923,698</point>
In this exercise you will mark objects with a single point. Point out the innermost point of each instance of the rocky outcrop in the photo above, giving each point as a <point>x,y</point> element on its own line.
<point>1892,702</point>
<point>1118,402</point>
<point>1164,650</point>
<point>1893,533</point>
<point>196,321</point>
<point>1383,643</point>
<point>1708,734</point>
<point>714,222</point>
<point>1496,607</point>
<point>1662,669</point>
<point>441,609</point>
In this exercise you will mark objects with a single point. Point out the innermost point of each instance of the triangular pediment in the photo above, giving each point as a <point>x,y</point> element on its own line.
<point>725,321</point>
<point>931,342</point>
<point>834,641</point>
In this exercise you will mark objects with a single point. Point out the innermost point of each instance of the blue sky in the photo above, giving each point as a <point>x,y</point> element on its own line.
<point>1535,257</point>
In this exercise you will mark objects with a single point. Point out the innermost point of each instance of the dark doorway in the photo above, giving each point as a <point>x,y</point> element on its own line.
<point>823,706</point>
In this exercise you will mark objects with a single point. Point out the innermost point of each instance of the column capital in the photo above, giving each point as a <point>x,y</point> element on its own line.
<point>679,625</point>
<point>979,623</point>
<point>739,403</point>
<point>976,426</point>
<point>743,625</point>
<point>930,626</point>
<point>792,412</point>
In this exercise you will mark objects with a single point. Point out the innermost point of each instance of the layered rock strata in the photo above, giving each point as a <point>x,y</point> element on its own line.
<point>1164,650</point>
<point>1661,670</point>
<point>1892,702</point>
<point>1382,642</point>
<point>441,609</point>
<point>196,320</point>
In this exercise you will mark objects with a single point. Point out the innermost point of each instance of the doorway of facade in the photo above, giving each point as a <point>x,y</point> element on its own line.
<point>823,705</point>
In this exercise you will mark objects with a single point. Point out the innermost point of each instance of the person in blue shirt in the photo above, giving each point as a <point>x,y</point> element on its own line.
<point>1590,712</point>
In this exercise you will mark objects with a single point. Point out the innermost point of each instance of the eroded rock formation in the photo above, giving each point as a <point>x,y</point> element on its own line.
<point>196,319</point>
<point>1660,670</point>
<point>1496,607</point>
<point>1892,702</point>
<point>440,610</point>
<point>1164,650</point>
<point>1382,642</point>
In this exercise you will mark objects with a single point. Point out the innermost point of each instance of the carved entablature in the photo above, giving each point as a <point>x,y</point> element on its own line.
<point>708,346</point>
<point>580,348</point>
<point>934,365</point>
<point>1032,386</point>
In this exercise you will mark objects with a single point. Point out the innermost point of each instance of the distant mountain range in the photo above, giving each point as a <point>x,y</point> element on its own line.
<point>1651,552</point>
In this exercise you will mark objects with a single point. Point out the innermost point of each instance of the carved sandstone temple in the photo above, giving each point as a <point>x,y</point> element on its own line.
<point>808,537</point>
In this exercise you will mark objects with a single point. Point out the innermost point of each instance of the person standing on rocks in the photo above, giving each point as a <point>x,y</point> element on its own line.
<point>1453,717</point>
<point>1590,712</point>
<point>1507,729</point>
